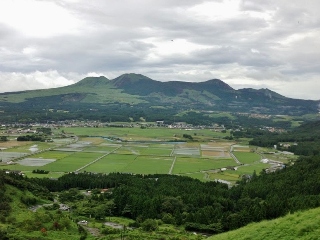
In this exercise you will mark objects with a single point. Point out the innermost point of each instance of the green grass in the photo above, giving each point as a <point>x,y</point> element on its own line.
<point>247,157</point>
<point>300,225</point>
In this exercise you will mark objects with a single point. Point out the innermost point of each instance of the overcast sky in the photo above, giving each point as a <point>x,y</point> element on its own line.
<point>271,44</point>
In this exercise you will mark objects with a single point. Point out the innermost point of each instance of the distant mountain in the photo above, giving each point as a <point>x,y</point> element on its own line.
<point>135,93</point>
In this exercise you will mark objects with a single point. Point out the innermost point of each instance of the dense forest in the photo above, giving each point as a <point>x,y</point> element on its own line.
<point>305,140</point>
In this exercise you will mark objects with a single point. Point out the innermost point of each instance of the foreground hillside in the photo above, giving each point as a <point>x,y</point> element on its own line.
<point>301,225</point>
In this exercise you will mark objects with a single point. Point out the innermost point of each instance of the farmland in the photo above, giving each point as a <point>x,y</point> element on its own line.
<point>134,150</point>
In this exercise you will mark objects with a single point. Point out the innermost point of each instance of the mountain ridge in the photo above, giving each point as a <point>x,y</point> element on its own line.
<point>136,93</point>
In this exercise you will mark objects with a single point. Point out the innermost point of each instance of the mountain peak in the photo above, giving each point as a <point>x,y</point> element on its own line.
<point>217,83</point>
<point>92,82</point>
<point>130,78</point>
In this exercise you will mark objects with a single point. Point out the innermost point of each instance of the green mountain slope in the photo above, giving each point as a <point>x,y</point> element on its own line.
<point>138,94</point>
<point>300,225</point>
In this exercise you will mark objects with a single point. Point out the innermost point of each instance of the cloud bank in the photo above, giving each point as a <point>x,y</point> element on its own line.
<point>246,43</point>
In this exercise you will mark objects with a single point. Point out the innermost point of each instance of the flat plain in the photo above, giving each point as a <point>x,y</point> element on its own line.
<point>136,151</point>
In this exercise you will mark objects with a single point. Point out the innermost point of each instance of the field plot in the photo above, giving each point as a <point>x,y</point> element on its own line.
<point>18,167</point>
<point>8,156</point>
<point>249,169</point>
<point>241,148</point>
<point>12,144</point>
<point>156,151</point>
<point>230,176</point>
<point>191,165</point>
<point>198,175</point>
<point>216,149</point>
<point>136,134</point>
<point>52,155</point>
<point>150,165</point>
<point>60,141</point>
<point>102,149</point>
<point>30,147</point>
<point>72,162</point>
<point>128,150</point>
<point>35,162</point>
<point>111,163</point>
<point>247,157</point>
<point>216,153</point>
<point>187,151</point>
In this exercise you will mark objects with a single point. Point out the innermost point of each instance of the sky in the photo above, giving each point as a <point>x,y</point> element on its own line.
<point>256,44</point>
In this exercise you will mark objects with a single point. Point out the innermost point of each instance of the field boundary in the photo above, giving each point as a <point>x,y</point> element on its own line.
<point>172,165</point>
<point>96,160</point>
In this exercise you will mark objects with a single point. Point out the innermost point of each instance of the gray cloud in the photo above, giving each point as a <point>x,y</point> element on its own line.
<point>249,43</point>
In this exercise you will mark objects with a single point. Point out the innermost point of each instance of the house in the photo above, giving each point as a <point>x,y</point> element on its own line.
<point>64,207</point>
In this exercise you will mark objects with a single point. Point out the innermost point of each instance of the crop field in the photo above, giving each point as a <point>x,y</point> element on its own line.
<point>156,151</point>
<point>72,162</point>
<point>28,147</point>
<point>247,157</point>
<point>111,163</point>
<point>150,165</point>
<point>143,151</point>
<point>192,165</point>
<point>137,134</point>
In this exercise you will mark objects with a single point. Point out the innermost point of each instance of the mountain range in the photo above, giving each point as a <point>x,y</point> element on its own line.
<point>141,95</point>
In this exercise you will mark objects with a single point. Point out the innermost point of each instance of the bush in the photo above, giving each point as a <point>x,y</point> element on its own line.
<point>149,225</point>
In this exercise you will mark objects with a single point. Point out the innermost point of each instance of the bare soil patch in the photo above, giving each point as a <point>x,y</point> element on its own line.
<point>13,143</point>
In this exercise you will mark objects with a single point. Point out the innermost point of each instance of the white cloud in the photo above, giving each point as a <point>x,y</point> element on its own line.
<point>37,18</point>
<point>33,80</point>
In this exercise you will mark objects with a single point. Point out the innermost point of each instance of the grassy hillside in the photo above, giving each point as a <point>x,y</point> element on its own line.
<point>301,225</point>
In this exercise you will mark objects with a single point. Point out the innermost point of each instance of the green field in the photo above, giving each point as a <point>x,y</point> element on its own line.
<point>111,163</point>
<point>150,165</point>
<point>72,162</point>
<point>138,134</point>
<point>247,157</point>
